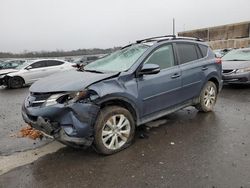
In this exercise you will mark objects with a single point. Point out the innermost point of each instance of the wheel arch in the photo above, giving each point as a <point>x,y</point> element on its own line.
<point>8,78</point>
<point>215,81</point>
<point>122,103</point>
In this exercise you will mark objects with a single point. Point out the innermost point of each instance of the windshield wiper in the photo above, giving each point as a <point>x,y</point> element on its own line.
<point>95,71</point>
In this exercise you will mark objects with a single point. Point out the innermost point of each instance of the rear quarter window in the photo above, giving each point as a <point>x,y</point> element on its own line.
<point>203,49</point>
<point>187,52</point>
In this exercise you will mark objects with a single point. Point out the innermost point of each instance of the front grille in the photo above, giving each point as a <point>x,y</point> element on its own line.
<point>228,71</point>
<point>37,99</point>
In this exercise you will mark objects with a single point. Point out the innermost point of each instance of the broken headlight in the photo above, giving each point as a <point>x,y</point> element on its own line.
<point>66,98</point>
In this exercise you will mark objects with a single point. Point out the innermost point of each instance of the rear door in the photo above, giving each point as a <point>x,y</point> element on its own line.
<point>160,91</point>
<point>54,66</point>
<point>192,67</point>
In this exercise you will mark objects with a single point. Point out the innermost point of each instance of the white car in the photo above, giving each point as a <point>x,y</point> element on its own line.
<point>31,71</point>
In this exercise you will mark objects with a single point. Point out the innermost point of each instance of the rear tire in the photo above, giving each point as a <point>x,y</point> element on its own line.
<point>208,97</point>
<point>16,82</point>
<point>114,130</point>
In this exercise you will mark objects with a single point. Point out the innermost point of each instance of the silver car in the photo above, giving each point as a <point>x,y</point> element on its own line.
<point>31,71</point>
<point>236,66</point>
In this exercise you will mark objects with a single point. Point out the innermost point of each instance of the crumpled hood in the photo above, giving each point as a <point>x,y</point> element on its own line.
<point>68,81</point>
<point>6,71</point>
<point>231,65</point>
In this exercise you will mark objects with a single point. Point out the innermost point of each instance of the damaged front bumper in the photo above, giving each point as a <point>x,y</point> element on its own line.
<point>70,124</point>
<point>237,78</point>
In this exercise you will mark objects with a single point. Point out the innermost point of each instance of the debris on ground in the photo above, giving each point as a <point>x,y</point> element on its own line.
<point>172,143</point>
<point>12,135</point>
<point>29,132</point>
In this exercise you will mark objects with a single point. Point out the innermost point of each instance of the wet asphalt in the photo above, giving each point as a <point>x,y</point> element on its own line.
<point>11,122</point>
<point>191,149</point>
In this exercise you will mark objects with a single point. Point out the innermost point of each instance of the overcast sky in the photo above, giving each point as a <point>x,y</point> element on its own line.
<point>36,25</point>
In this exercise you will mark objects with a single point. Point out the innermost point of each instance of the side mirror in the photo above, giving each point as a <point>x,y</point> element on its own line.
<point>149,69</point>
<point>28,68</point>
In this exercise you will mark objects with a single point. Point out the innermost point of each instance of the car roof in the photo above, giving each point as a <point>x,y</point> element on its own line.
<point>168,38</point>
<point>28,62</point>
<point>44,59</point>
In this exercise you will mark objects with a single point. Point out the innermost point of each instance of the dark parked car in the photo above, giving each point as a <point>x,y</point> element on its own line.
<point>102,105</point>
<point>236,66</point>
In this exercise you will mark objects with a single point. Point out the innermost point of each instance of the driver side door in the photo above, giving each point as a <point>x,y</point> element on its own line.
<point>162,90</point>
<point>36,71</point>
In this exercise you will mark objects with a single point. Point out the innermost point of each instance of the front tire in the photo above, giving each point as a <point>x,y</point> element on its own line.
<point>114,130</point>
<point>208,97</point>
<point>16,82</point>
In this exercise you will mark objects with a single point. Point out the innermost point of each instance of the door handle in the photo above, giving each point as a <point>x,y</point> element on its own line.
<point>204,68</point>
<point>176,75</point>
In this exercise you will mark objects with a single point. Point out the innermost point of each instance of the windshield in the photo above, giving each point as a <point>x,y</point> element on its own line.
<point>20,66</point>
<point>118,61</point>
<point>237,55</point>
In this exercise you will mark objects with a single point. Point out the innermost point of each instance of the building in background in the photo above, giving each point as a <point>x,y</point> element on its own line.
<point>226,36</point>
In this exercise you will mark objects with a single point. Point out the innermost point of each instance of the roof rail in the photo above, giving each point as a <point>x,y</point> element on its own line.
<point>153,38</point>
<point>163,38</point>
<point>190,38</point>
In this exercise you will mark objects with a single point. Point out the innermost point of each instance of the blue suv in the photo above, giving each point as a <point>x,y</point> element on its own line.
<point>102,104</point>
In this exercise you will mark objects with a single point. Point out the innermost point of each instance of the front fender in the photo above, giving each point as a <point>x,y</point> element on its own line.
<point>114,89</point>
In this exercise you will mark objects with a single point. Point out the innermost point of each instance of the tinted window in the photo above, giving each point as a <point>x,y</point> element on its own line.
<point>38,64</point>
<point>54,63</point>
<point>203,50</point>
<point>163,57</point>
<point>187,52</point>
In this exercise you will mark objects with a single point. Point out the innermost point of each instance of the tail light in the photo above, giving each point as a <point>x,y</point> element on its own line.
<point>218,60</point>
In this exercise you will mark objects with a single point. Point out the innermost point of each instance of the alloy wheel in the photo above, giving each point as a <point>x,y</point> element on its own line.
<point>116,131</point>
<point>210,97</point>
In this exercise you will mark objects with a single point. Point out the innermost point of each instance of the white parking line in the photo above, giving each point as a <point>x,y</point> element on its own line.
<point>8,163</point>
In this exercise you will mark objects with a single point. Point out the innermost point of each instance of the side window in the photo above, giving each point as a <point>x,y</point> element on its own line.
<point>198,51</point>
<point>204,50</point>
<point>163,57</point>
<point>186,52</point>
<point>54,63</point>
<point>39,64</point>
